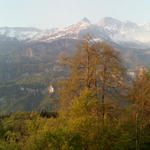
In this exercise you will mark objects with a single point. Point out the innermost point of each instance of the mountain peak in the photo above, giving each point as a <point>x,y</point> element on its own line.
<point>85,20</point>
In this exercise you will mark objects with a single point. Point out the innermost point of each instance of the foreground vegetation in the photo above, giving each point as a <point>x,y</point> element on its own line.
<point>99,108</point>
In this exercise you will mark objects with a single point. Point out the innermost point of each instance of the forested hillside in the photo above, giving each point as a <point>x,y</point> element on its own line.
<point>98,107</point>
<point>27,70</point>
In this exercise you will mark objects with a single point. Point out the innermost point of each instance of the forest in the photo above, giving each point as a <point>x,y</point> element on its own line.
<point>99,107</point>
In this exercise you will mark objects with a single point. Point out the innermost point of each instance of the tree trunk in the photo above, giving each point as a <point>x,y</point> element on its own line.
<point>103,108</point>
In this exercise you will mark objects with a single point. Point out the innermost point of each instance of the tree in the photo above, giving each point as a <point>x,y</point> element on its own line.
<point>111,72</point>
<point>83,70</point>
<point>140,94</point>
<point>96,66</point>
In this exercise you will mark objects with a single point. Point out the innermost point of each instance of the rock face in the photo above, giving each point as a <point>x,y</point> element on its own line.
<point>51,89</point>
<point>36,91</point>
<point>30,52</point>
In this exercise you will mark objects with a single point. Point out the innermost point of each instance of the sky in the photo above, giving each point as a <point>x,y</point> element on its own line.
<point>61,13</point>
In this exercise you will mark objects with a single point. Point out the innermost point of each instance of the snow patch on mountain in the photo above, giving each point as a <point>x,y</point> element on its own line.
<point>21,33</point>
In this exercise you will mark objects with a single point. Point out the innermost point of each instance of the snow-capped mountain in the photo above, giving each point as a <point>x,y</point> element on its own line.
<point>25,33</point>
<point>106,29</point>
<point>126,31</point>
<point>77,31</point>
<point>72,31</point>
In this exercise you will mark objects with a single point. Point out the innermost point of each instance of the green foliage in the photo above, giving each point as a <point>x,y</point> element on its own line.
<point>79,125</point>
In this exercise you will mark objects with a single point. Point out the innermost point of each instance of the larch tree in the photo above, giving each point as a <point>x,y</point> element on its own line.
<point>111,74</point>
<point>95,66</point>
<point>140,94</point>
<point>83,69</point>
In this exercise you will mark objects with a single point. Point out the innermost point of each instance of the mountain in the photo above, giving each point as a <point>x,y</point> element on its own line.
<point>106,29</point>
<point>74,31</point>
<point>127,31</point>
<point>29,58</point>
<point>25,33</point>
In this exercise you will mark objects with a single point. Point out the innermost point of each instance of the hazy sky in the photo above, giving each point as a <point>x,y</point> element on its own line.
<point>59,13</point>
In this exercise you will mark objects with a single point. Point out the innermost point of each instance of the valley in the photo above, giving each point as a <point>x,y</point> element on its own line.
<point>29,58</point>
